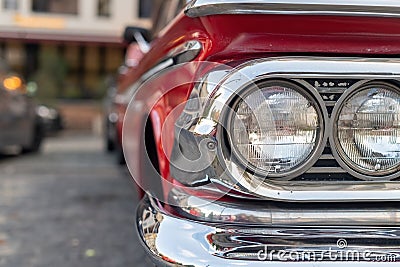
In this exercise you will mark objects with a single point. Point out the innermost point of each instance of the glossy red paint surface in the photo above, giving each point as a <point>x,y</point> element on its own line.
<point>230,38</point>
<point>225,39</point>
<point>283,34</point>
<point>120,110</point>
<point>156,106</point>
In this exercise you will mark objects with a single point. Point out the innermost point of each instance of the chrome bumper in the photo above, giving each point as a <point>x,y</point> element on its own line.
<point>174,241</point>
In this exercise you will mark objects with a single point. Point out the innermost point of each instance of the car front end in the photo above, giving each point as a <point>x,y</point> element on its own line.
<point>285,148</point>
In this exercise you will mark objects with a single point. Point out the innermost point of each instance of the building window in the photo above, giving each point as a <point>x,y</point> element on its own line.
<point>56,6</point>
<point>104,8</point>
<point>10,4</point>
<point>145,7</point>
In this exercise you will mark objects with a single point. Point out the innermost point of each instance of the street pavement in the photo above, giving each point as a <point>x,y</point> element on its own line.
<point>70,205</point>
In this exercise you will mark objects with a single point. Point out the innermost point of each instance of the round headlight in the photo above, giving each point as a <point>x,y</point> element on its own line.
<point>276,128</point>
<point>367,130</point>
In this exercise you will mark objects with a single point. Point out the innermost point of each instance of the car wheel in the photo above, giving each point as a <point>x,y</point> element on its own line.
<point>36,141</point>
<point>110,146</point>
<point>120,155</point>
<point>109,142</point>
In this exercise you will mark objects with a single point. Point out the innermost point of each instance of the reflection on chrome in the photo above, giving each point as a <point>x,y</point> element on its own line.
<point>275,214</point>
<point>209,244</point>
<point>374,8</point>
<point>368,130</point>
<point>275,128</point>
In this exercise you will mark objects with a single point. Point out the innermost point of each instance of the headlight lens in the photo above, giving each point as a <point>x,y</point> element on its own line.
<point>368,136</point>
<point>276,127</point>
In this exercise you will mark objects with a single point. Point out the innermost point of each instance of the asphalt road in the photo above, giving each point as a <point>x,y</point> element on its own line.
<point>70,205</point>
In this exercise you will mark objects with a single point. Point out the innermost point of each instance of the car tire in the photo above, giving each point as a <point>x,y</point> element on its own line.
<point>109,142</point>
<point>120,155</point>
<point>36,142</point>
<point>110,147</point>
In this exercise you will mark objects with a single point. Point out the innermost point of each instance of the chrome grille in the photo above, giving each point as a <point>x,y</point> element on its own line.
<point>327,168</point>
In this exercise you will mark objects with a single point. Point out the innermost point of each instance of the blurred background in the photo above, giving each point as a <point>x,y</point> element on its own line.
<point>64,201</point>
<point>70,49</point>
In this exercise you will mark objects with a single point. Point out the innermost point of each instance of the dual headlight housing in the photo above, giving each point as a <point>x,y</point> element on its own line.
<point>278,129</point>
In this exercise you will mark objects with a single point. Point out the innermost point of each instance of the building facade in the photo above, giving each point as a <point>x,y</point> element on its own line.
<point>75,42</point>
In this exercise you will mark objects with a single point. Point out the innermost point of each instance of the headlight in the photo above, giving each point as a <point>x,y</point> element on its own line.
<point>367,134</point>
<point>276,128</point>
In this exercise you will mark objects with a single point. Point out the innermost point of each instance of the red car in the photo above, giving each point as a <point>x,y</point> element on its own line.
<point>267,133</point>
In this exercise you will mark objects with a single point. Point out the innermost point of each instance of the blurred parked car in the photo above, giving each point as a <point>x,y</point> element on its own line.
<point>110,117</point>
<point>51,119</point>
<point>267,133</point>
<point>19,122</point>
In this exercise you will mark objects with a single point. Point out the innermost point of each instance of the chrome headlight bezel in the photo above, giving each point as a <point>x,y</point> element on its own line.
<point>340,155</point>
<point>327,180</point>
<point>227,117</point>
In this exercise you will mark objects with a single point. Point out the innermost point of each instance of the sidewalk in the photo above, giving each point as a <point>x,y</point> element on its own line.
<point>82,115</point>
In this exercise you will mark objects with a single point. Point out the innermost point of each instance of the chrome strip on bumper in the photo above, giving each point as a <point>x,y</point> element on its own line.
<point>285,215</point>
<point>383,8</point>
<point>173,241</point>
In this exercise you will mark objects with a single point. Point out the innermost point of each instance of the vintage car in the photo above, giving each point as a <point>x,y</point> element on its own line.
<point>266,133</point>
<point>21,125</point>
<point>110,116</point>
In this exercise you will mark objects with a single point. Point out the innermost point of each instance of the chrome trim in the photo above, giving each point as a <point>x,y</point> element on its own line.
<point>366,8</point>
<point>141,41</point>
<point>221,86</point>
<point>325,170</point>
<point>278,214</point>
<point>127,96</point>
<point>327,157</point>
<point>307,92</point>
<point>183,53</point>
<point>173,241</point>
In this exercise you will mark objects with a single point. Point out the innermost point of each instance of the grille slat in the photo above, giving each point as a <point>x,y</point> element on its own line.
<point>327,168</point>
